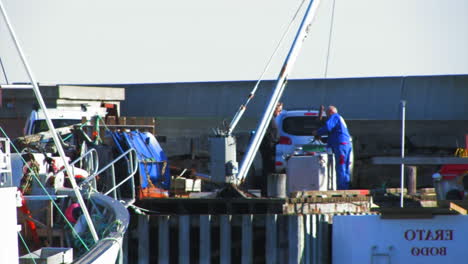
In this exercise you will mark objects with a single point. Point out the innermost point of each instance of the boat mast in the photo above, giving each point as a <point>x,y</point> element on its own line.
<point>40,100</point>
<point>279,88</point>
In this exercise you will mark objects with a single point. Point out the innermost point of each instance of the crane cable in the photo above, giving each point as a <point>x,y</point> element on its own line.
<point>243,107</point>
<point>330,39</point>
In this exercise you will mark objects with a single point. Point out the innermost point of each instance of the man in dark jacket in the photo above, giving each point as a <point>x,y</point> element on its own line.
<point>339,140</point>
<point>268,145</point>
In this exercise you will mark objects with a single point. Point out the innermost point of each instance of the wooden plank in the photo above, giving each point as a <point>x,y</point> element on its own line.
<point>307,240</point>
<point>295,238</point>
<point>131,120</point>
<point>458,208</point>
<point>324,239</point>
<point>122,120</point>
<point>412,175</point>
<point>163,239</point>
<point>205,239</point>
<point>313,193</point>
<point>225,238</point>
<point>125,248</point>
<point>418,160</point>
<point>143,239</point>
<point>426,190</point>
<point>271,237</point>
<point>396,190</point>
<point>184,239</point>
<point>314,239</point>
<point>153,125</point>
<point>111,120</point>
<point>247,243</point>
<point>140,120</point>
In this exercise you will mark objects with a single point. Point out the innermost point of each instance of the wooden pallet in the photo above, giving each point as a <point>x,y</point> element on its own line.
<point>328,194</point>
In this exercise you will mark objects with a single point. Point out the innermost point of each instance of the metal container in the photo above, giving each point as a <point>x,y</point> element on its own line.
<point>309,172</point>
<point>276,185</point>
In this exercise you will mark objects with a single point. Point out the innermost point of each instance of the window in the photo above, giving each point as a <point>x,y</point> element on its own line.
<point>301,125</point>
<point>41,125</point>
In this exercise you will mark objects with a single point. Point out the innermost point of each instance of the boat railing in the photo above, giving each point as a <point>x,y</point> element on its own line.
<point>92,163</point>
<point>131,158</point>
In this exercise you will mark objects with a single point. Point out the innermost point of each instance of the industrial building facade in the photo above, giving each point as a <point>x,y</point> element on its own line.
<point>436,114</point>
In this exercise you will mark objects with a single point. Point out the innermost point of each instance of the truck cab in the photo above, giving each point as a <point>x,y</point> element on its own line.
<point>61,117</point>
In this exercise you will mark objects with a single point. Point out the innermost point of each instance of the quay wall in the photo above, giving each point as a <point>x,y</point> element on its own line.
<point>248,238</point>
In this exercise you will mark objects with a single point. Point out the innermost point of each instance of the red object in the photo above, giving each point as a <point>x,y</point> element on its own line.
<point>285,140</point>
<point>109,106</point>
<point>152,192</point>
<point>310,114</point>
<point>29,223</point>
<point>69,212</point>
<point>450,171</point>
<point>363,192</point>
<point>279,163</point>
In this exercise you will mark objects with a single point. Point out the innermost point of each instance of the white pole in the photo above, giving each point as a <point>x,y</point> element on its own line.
<point>278,90</point>
<point>49,123</point>
<point>402,165</point>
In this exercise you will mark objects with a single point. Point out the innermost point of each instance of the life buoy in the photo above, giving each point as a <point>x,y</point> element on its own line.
<point>73,212</point>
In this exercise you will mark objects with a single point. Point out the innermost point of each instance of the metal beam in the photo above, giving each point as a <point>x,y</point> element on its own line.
<point>418,160</point>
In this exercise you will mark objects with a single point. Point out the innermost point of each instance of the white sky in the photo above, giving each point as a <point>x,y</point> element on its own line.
<point>119,41</point>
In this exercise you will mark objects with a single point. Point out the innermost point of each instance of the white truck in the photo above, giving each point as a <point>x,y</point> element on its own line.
<point>61,117</point>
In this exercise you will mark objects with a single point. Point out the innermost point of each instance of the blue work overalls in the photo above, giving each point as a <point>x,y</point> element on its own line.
<point>339,141</point>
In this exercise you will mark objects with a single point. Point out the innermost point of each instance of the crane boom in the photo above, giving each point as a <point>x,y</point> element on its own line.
<point>278,90</point>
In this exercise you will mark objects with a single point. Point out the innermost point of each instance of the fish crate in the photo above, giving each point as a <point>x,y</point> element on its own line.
<point>181,186</point>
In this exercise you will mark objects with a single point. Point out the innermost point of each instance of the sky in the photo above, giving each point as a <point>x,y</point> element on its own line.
<point>154,41</point>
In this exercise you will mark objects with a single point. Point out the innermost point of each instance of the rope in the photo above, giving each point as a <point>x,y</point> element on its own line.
<point>150,182</point>
<point>329,39</point>
<point>46,192</point>
<point>26,246</point>
<point>80,127</point>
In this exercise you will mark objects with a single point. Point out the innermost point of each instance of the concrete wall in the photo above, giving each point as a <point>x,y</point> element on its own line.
<point>428,97</point>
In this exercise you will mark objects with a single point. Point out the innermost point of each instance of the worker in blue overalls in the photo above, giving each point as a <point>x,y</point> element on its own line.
<point>339,141</point>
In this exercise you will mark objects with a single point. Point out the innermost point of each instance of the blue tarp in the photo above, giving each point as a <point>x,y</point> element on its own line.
<point>151,158</point>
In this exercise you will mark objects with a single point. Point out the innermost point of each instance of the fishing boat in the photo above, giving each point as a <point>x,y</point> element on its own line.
<point>50,223</point>
<point>60,202</point>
